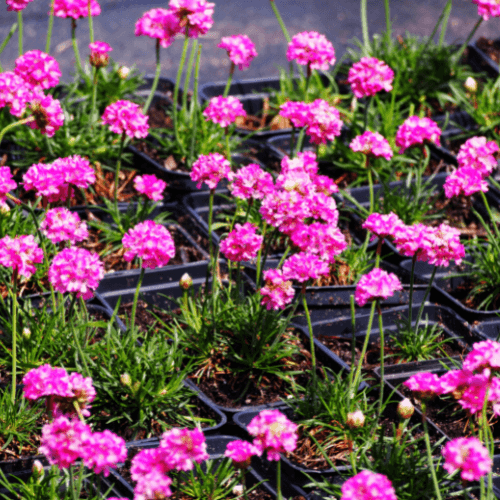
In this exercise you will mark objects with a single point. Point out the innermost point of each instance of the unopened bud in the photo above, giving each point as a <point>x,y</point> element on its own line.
<point>125,380</point>
<point>238,490</point>
<point>4,208</point>
<point>186,282</point>
<point>123,72</point>
<point>470,85</point>
<point>405,408</point>
<point>99,60</point>
<point>26,333</point>
<point>37,468</point>
<point>356,419</point>
<point>136,386</point>
<point>71,141</point>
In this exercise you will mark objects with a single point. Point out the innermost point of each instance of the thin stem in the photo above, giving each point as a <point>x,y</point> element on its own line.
<point>412,281</point>
<point>117,172</point>
<point>228,148</point>
<point>364,28</point>
<point>308,80</point>
<point>300,140</point>
<point>429,451</point>
<point>427,291</point>
<point>488,209</point>
<point>78,61</point>
<point>77,340</point>
<point>243,481</point>
<point>210,218</point>
<point>156,79</point>
<point>280,21</point>
<point>72,483</point>
<point>49,30</point>
<point>14,335</point>
<point>367,110</point>
<point>378,252</point>
<point>229,79</point>
<point>187,79</point>
<point>136,297</point>
<point>388,30</point>
<point>20,33</point>
<point>259,255</point>
<point>91,25</point>
<point>446,16</point>
<point>194,107</point>
<point>176,91</point>
<point>353,342</point>
<point>370,184</point>
<point>278,480</point>
<point>292,142</point>
<point>15,124</point>
<point>94,97</point>
<point>382,346</point>
<point>311,335</point>
<point>7,39</point>
<point>458,55</point>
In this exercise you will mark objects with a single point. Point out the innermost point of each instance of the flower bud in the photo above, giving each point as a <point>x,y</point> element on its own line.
<point>125,380</point>
<point>136,387</point>
<point>71,141</point>
<point>37,469</point>
<point>99,60</point>
<point>4,208</point>
<point>123,72</point>
<point>405,408</point>
<point>238,490</point>
<point>355,420</point>
<point>26,333</point>
<point>470,85</point>
<point>186,282</point>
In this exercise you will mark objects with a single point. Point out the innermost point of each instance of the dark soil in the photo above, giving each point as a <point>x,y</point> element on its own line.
<point>158,117</point>
<point>147,317</point>
<point>490,47</point>
<point>462,292</point>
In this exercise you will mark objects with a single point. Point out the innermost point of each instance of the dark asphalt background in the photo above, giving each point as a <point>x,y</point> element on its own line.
<point>339,20</point>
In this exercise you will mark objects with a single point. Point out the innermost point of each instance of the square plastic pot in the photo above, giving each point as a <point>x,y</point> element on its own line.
<point>481,61</point>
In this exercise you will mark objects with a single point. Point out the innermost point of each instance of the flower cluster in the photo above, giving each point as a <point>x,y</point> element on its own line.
<point>60,224</point>
<point>210,169</point>
<point>126,117</point>
<point>312,49</point>
<point>7,183</point>
<point>367,485</point>
<point>224,110</point>
<point>242,243</point>
<point>415,131</point>
<point>382,225</point>
<point>372,144</point>
<point>38,69</point>
<point>160,23</point>
<point>99,56</point>
<point>48,115</point>
<point>304,266</point>
<point>241,453</point>
<point>251,182</point>
<point>240,49</point>
<point>469,456</point>
<point>15,93</point>
<point>277,291</point>
<point>195,16</point>
<point>369,76</point>
<point>17,5</point>
<point>150,186</point>
<point>377,284</point>
<point>76,8</point>
<point>487,8</point>
<point>466,181</point>
<point>21,253</point>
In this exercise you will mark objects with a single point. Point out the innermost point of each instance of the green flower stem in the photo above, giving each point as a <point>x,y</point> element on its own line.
<point>364,28</point>
<point>300,140</point>
<point>117,171</point>
<point>458,55</point>
<point>136,297</point>
<point>490,214</point>
<point>308,80</point>
<point>280,21</point>
<point>229,79</point>
<point>243,481</point>
<point>311,335</point>
<point>368,105</point>
<point>370,185</point>
<point>259,255</point>
<point>228,148</point>
<point>20,33</point>
<point>15,124</point>
<point>94,98</point>
<point>49,30</point>
<point>427,291</point>
<point>7,39</point>
<point>378,252</point>
<point>187,78</point>
<point>278,480</point>
<point>91,25</point>
<point>77,341</point>
<point>388,30</point>
<point>429,451</point>
<point>292,143</point>
<point>14,335</point>
<point>446,15</point>
<point>353,343</point>
<point>156,79</point>
<point>194,107</point>
<point>354,387</point>
<point>78,61</point>
<point>72,483</point>
<point>382,346</point>
<point>210,220</point>
<point>412,281</point>
<point>176,91</point>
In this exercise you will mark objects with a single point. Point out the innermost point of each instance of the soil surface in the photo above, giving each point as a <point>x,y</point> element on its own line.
<point>490,47</point>
<point>462,292</point>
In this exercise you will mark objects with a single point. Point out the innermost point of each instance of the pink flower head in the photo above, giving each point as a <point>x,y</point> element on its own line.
<point>76,270</point>
<point>277,291</point>
<point>455,382</point>
<point>311,48</point>
<point>184,447</point>
<point>240,49</point>
<point>46,180</point>
<point>409,239</point>
<point>149,460</point>
<point>369,76</point>
<point>99,56</point>
<point>210,169</point>
<point>274,433</point>
<point>440,245</point>
<point>102,451</point>
<point>63,441</point>
<point>367,485</point>
<point>305,161</point>
<point>7,183</point>
<point>325,185</point>
<point>46,381</point>
<point>15,93</point>
<point>304,266</point>
<point>466,181</point>
<point>47,113</point>
<point>372,144</point>
<point>479,386</point>
<point>242,243</point>
<point>484,356</point>
<point>76,171</point>
<point>83,392</point>
<point>241,453</point>
<point>284,209</point>
<point>76,8</point>
<point>150,186</point>
<point>21,253</point>
<point>381,225</point>
<point>251,182</point>
<point>195,16</point>
<point>323,122</point>
<point>425,385</point>
<point>17,5</point>
<point>224,110</point>
<point>38,69</point>
<point>477,152</point>
<point>377,284</point>
<point>469,456</point>
<point>415,130</point>
<point>487,8</point>
<point>126,117</point>
<point>295,111</point>
<point>153,485</point>
<point>60,224</point>
<point>149,241</point>
<point>159,23</point>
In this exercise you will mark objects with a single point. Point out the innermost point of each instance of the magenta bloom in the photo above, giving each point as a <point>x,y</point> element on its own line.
<point>99,56</point>
<point>311,48</point>
<point>150,460</point>
<point>242,243</point>
<point>76,171</point>
<point>368,485</point>
<point>324,240</point>
<point>47,113</point>
<point>46,381</point>
<point>484,356</point>
<point>159,23</point>
<point>195,16</point>
<point>305,161</point>
<point>15,93</point>
<point>415,130</point>
<point>152,485</point>
<point>62,225</point>
<point>277,291</point>
<point>274,433</point>
<point>381,225</point>
<point>369,76</point>
<point>240,49</point>
<point>241,453</point>
<point>323,122</point>
<point>377,284</point>
<point>224,110</point>
<point>7,183</point>
<point>372,144</point>
<point>251,182</point>
<point>210,169</point>
<point>469,456</point>
<point>487,8</point>
<point>149,241</point>
<point>442,246</point>
<point>47,181</point>
<point>102,451</point>
<point>184,446</point>
<point>126,117</point>
<point>17,5</point>
<point>425,385</point>
<point>38,69</point>
<point>304,266</point>
<point>477,152</point>
<point>466,181</point>
<point>150,186</point>
<point>76,270</point>
<point>295,111</point>
<point>21,253</point>
<point>76,8</point>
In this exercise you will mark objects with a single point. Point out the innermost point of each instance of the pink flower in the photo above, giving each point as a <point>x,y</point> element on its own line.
<point>477,152</point>
<point>63,441</point>
<point>304,266</point>
<point>159,23</point>
<point>415,130</point>
<point>152,485</point>
<point>47,181</point>
<point>311,48</point>
<point>151,242</point>
<point>76,270</point>
<point>484,356</point>
<point>46,381</point>
<point>274,433</point>
<point>367,485</point>
<point>75,170</point>
<point>195,16</point>
<point>210,169</point>
<point>150,186</point>
<point>7,183</point>
<point>284,209</point>
<point>295,111</point>
<point>242,243</point>
<point>477,389</point>
<point>466,181</point>
<point>442,245</point>
<point>126,117</point>
<point>469,456</point>
<point>381,225</point>
<point>369,76</point>
<point>38,69</point>
<point>241,453</point>
<point>323,122</point>
<point>455,381</point>
<point>17,5</point>
<point>251,182</point>
<point>60,224</point>
<point>21,253</point>
<point>150,460</point>
<point>102,451</point>
<point>76,8</point>
<point>278,291</point>
<point>47,113</point>
<point>99,56</point>
<point>372,144</point>
<point>426,385</point>
<point>377,284</point>
<point>15,93</point>
<point>305,161</point>
<point>487,8</point>
<point>224,110</point>
<point>240,49</point>
<point>184,446</point>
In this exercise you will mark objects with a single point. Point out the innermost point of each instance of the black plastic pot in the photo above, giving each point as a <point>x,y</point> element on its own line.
<point>489,329</point>
<point>482,62</point>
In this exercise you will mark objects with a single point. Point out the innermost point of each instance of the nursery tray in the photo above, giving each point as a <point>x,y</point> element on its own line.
<point>482,61</point>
